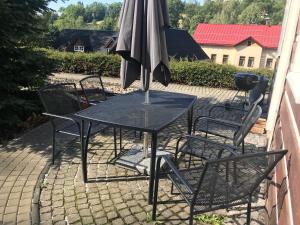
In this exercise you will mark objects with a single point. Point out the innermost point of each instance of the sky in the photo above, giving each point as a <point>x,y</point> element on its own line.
<point>60,3</point>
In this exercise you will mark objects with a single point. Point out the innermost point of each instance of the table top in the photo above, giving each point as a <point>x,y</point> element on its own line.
<point>130,111</point>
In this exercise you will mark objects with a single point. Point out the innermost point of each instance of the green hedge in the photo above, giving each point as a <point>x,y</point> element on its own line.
<point>198,73</point>
<point>86,63</point>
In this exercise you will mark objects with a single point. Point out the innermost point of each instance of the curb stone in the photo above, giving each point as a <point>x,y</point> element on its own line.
<point>35,205</point>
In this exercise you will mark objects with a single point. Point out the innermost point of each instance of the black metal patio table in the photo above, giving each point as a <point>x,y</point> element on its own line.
<point>129,111</point>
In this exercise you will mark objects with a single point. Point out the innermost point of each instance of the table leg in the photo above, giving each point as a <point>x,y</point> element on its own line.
<point>190,120</point>
<point>83,154</point>
<point>152,167</point>
<point>115,141</point>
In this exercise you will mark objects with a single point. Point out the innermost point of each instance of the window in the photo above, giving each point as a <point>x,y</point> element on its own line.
<point>213,57</point>
<point>269,63</point>
<point>225,59</point>
<point>78,48</point>
<point>251,62</point>
<point>249,42</point>
<point>242,60</point>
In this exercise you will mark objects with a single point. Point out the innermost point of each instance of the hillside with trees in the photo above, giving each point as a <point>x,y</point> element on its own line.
<point>183,14</point>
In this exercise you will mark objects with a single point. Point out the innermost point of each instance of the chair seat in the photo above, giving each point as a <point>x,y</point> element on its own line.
<point>215,128</point>
<point>214,194</point>
<point>202,149</point>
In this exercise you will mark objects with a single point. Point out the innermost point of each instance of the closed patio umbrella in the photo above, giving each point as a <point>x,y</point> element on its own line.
<point>142,42</point>
<point>142,45</point>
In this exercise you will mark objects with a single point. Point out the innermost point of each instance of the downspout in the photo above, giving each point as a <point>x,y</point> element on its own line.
<point>286,46</point>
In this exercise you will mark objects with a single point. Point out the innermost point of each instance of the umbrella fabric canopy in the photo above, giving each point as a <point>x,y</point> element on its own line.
<point>142,42</point>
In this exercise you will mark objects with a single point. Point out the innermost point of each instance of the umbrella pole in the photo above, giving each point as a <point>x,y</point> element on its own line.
<point>146,134</point>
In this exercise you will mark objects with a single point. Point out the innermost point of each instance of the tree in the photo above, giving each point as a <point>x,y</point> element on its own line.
<point>113,10</point>
<point>278,12</point>
<point>176,8</point>
<point>190,10</point>
<point>22,68</point>
<point>228,14</point>
<point>110,21</point>
<point>95,11</point>
<point>69,17</point>
<point>253,14</point>
<point>73,11</point>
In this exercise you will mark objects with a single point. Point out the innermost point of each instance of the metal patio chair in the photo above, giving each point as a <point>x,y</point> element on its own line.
<point>93,89</point>
<point>61,102</point>
<point>260,89</point>
<point>231,112</point>
<point>226,129</point>
<point>221,181</point>
<point>94,93</point>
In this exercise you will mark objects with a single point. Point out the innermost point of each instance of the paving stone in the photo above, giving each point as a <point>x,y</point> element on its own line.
<point>101,221</point>
<point>117,222</point>
<point>129,219</point>
<point>58,218</point>
<point>60,223</point>
<point>87,220</point>
<point>85,212</point>
<point>73,218</point>
<point>112,215</point>
<point>83,206</point>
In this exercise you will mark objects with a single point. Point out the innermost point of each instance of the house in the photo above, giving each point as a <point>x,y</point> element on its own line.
<point>283,124</point>
<point>180,43</point>
<point>246,46</point>
<point>74,40</point>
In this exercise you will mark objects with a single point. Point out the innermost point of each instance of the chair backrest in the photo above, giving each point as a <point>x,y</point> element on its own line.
<point>93,89</point>
<point>253,107</point>
<point>259,89</point>
<point>232,179</point>
<point>60,99</point>
<point>248,122</point>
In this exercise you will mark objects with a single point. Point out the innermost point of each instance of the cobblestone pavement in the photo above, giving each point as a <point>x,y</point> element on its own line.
<point>65,199</point>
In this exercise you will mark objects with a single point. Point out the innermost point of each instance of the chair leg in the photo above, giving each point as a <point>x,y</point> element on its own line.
<point>53,144</point>
<point>190,159</point>
<point>172,188</point>
<point>249,211</point>
<point>156,181</point>
<point>191,219</point>
<point>120,139</point>
<point>243,146</point>
<point>115,141</point>
<point>88,137</point>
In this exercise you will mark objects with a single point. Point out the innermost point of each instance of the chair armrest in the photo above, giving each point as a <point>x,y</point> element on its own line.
<point>172,166</point>
<point>232,149</point>
<point>226,123</point>
<point>226,108</point>
<point>62,117</point>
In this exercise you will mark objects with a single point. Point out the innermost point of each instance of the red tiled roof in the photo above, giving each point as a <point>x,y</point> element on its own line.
<point>233,34</point>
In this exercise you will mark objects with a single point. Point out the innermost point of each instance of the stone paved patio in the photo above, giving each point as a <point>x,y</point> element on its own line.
<point>65,199</point>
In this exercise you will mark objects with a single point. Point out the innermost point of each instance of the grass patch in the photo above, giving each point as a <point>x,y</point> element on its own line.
<point>149,219</point>
<point>210,219</point>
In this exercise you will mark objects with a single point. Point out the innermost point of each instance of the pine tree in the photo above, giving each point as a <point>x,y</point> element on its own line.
<point>22,69</point>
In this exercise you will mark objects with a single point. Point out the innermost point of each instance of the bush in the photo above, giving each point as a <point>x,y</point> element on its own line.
<point>198,73</point>
<point>208,74</point>
<point>86,63</point>
<point>24,70</point>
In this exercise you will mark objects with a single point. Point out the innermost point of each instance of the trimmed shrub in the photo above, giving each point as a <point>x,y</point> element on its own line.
<point>198,73</point>
<point>86,63</point>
